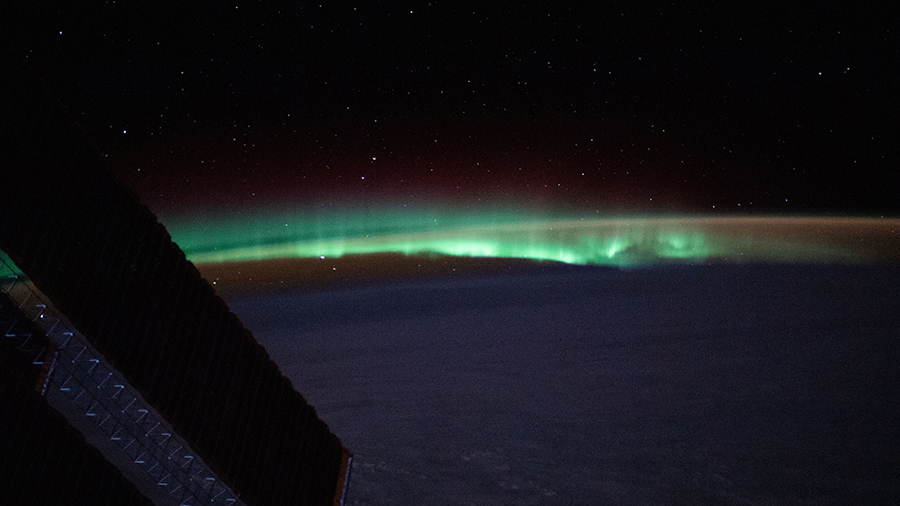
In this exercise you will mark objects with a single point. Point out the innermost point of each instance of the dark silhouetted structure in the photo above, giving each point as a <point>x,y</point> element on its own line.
<point>87,244</point>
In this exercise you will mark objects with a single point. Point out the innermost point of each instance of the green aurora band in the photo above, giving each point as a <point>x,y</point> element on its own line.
<point>597,241</point>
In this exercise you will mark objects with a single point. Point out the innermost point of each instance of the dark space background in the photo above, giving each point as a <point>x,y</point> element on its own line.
<point>694,107</point>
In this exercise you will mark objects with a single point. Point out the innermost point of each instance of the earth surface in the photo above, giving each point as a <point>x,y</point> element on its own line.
<point>493,382</point>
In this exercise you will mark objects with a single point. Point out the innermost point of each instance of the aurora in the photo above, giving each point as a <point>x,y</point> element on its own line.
<point>618,241</point>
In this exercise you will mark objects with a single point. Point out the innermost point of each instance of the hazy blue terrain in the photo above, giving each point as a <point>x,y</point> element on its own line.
<point>739,384</point>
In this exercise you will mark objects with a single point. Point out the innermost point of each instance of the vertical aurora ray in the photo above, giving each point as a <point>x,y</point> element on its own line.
<point>596,241</point>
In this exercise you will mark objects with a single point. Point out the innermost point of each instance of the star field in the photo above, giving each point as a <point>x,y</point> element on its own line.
<point>693,108</point>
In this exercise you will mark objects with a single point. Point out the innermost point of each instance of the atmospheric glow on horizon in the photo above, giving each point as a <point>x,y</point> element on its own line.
<point>579,241</point>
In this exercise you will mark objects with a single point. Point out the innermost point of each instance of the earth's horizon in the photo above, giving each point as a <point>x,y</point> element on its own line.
<point>413,250</point>
<point>761,370</point>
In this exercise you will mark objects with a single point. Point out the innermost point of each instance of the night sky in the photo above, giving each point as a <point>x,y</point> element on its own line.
<point>694,108</point>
